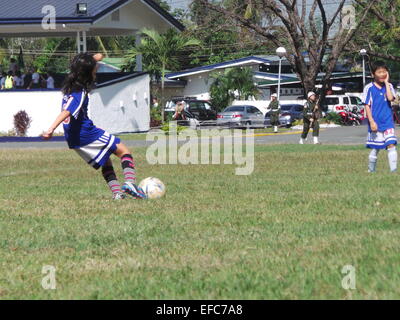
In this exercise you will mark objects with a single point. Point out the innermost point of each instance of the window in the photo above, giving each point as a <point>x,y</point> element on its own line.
<point>234,109</point>
<point>196,106</point>
<point>115,16</point>
<point>330,101</point>
<point>286,107</point>
<point>346,100</point>
<point>251,110</point>
<point>355,100</point>
<point>207,106</point>
<point>299,108</point>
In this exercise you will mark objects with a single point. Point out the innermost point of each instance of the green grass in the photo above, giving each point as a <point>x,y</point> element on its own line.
<point>142,136</point>
<point>284,232</point>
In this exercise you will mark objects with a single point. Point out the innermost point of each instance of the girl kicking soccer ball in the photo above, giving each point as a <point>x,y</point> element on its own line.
<point>93,144</point>
<point>381,135</point>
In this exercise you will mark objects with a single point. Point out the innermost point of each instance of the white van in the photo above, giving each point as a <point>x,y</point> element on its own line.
<point>337,103</point>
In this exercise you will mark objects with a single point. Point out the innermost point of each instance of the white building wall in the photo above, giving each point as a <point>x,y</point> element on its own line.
<point>198,86</point>
<point>41,106</point>
<point>123,106</point>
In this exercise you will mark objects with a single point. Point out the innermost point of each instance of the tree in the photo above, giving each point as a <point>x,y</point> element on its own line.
<point>233,83</point>
<point>221,39</point>
<point>297,30</point>
<point>380,34</point>
<point>160,52</point>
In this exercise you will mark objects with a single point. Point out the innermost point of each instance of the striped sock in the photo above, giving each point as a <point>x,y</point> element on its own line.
<point>111,179</point>
<point>128,167</point>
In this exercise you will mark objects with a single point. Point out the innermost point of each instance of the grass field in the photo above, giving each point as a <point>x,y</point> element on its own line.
<point>143,136</point>
<point>284,232</point>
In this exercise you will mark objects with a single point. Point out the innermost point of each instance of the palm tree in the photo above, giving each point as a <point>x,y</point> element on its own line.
<point>160,51</point>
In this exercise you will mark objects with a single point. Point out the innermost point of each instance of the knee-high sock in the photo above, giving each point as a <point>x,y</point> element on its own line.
<point>373,157</point>
<point>392,156</point>
<point>128,167</point>
<point>111,178</point>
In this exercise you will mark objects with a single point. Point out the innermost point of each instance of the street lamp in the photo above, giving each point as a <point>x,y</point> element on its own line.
<point>363,53</point>
<point>281,52</point>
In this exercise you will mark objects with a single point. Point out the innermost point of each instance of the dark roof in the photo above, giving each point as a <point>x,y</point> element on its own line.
<point>30,12</point>
<point>226,64</point>
<point>334,76</point>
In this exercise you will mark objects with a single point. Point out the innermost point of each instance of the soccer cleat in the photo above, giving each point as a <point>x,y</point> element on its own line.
<point>133,190</point>
<point>301,141</point>
<point>119,196</point>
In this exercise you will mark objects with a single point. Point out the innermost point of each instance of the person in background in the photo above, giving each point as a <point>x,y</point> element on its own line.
<point>13,66</point>
<point>154,102</point>
<point>275,109</point>
<point>35,83</point>
<point>179,114</point>
<point>9,83</point>
<point>49,81</point>
<point>310,118</point>
<point>27,77</point>
<point>19,83</point>
<point>3,80</point>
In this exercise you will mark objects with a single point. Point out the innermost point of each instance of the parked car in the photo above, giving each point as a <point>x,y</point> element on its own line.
<point>289,114</point>
<point>198,111</point>
<point>338,103</point>
<point>241,116</point>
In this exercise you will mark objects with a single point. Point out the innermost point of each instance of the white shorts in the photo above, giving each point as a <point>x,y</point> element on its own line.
<point>381,139</point>
<point>99,151</point>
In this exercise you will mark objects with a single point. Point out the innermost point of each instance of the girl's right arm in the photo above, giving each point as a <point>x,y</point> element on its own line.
<point>371,120</point>
<point>60,118</point>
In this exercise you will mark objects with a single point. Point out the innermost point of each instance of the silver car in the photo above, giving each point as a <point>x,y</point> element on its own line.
<point>241,116</point>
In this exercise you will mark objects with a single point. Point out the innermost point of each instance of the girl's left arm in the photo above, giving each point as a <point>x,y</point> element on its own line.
<point>60,118</point>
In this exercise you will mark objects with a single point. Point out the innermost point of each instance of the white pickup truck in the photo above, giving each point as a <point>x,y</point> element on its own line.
<point>337,103</point>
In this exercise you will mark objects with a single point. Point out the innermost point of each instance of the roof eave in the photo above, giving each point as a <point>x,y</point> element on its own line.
<point>92,19</point>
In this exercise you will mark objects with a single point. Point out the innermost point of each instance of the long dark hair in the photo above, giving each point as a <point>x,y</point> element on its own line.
<point>81,74</point>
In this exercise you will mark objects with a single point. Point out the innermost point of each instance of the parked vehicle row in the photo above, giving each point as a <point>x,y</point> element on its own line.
<point>201,112</point>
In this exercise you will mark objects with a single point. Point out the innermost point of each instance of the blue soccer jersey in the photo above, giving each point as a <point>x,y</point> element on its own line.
<point>79,130</point>
<point>380,106</point>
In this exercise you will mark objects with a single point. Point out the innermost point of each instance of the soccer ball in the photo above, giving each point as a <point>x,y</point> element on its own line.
<point>154,188</point>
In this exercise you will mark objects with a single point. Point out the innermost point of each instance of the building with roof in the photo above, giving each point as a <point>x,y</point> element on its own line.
<point>265,75</point>
<point>121,103</point>
<point>198,80</point>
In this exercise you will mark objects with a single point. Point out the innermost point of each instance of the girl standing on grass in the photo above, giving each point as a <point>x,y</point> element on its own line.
<point>377,98</point>
<point>93,144</point>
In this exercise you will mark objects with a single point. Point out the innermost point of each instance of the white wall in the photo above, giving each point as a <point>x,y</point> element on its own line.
<point>123,106</point>
<point>198,86</point>
<point>41,106</point>
<point>111,108</point>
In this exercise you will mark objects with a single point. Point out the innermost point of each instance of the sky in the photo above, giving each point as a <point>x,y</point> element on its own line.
<point>182,4</point>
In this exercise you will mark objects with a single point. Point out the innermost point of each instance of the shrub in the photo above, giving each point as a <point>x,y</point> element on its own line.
<point>22,123</point>
<point>166,128</point>
<point>334,117</point>
<point>155,117</point>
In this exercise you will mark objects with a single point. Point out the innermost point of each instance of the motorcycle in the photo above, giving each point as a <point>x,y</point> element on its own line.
<point>351,118</point>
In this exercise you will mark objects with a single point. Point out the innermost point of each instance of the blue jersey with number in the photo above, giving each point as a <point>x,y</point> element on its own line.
<point>381,108</point>
<point>79,130</point>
